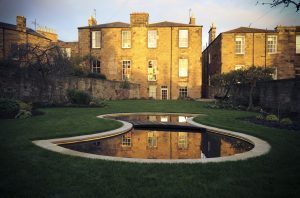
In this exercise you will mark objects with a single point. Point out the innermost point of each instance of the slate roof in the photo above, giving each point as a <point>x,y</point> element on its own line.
<point>126,25</point>
<point>28,30</point>
<point>249,30</point>
<point>108,25</point>
<point>171,24</point>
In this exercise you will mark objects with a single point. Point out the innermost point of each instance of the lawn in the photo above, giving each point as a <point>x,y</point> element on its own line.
<point>29,171</point>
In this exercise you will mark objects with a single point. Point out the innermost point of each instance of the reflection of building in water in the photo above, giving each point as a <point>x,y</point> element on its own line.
<point>164,145</point>
<point>216,146</point>
<point>153,144</point>
<point>126,139</point>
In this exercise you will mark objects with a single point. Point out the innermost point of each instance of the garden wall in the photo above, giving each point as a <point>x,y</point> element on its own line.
<point>271,95</point>
<point>56,90</point>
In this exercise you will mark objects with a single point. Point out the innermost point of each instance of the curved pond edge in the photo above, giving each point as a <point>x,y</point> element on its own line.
<point>261,147</point>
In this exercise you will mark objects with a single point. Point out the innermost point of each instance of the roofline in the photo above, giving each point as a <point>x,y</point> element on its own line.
<point>212,42</point>
<point>39,35</point>
<point>148,26</point>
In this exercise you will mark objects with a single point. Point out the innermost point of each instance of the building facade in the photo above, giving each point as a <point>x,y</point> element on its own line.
<point>244,47</point>
<point>13,36</point>
<point>164,58</point>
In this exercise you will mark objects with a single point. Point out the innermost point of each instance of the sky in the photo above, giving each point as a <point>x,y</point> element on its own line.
<point>65,16</point>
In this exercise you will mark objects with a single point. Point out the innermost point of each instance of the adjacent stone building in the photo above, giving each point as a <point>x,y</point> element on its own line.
<point>244,47</point>
<point>12,36</point>
<point>164,58</point>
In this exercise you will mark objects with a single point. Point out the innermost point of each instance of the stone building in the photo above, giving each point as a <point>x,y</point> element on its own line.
<point>12,36</point>
<point>164,58</point>
<point>243,47</point>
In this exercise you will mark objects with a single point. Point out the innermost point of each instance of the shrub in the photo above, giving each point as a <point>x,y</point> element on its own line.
<point>260,117</point>
<point>25,106</point>
<point>79,97</point>
<point>286,121</point>
<point>8,108</point>
<point>97,103</point>
<point>23,114</point>
<point>125,85</point>
<point>272,117</point>
<point>96,75</point>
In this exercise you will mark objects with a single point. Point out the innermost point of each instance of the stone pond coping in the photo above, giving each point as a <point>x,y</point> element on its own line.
<point>260,147</point>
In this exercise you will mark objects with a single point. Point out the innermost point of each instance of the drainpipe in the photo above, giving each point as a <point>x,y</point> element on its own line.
<point>253,48</point>
<point>265,50</point>
<point>170,97</point>
<point>3,42</point>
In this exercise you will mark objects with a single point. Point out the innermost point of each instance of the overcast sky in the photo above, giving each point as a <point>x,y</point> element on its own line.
<point>66,15</point>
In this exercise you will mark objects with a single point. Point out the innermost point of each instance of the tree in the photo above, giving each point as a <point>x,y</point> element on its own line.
<point>252,75</point>
<point>227,80</point>
<point>286,3</point>
<point>248,76</point>
<point>42,64</point>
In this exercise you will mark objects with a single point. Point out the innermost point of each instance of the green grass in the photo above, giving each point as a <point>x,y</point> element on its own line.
<point>29,171</point>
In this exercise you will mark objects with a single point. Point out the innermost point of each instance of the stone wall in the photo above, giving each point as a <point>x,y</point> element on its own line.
<point>270,95</point>
<point>56,91</point>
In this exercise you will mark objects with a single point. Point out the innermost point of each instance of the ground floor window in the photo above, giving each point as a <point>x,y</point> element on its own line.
<point>95,65</point>
<point>183,92</point>
<point>152,91</point>
<point>274,74</point>
<point>67,52</point>
<point>126,69</point>
<point>164,92</point>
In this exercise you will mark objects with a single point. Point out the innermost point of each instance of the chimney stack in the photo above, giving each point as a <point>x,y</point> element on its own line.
<point>21,23</point>
<point>138,19</point>
<point>212,33</point>
<point>92,21</point>
<point>192,20</point>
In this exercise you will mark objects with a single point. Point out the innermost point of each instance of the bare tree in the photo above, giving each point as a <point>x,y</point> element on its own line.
<point>286,3</point>
<point>42,64</point>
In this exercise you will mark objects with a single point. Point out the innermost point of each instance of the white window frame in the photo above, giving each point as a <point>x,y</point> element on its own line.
<point>67,51</point>
<point>272,44</point>
<point>182,119</point>
<point>96,39</point>
<point>297,44</point>
<point>183,67</point>
<point>182,140</point>
<point>164,88</point>
<point>275,74</point>
<point>152,91</point>
<point>95,66</point>
<point>152,70</point>
<point>183,38</point>
<point>152,38</point>
<point>152,139</point>
<point>238,67</point>
<point>126,69</point>
<point>240,45</point>
<point>126,39</point>
<point>127,140</point>
<point>183,90</point>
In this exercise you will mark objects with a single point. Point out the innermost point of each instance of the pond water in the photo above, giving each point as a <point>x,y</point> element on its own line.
<point>163,137</point>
